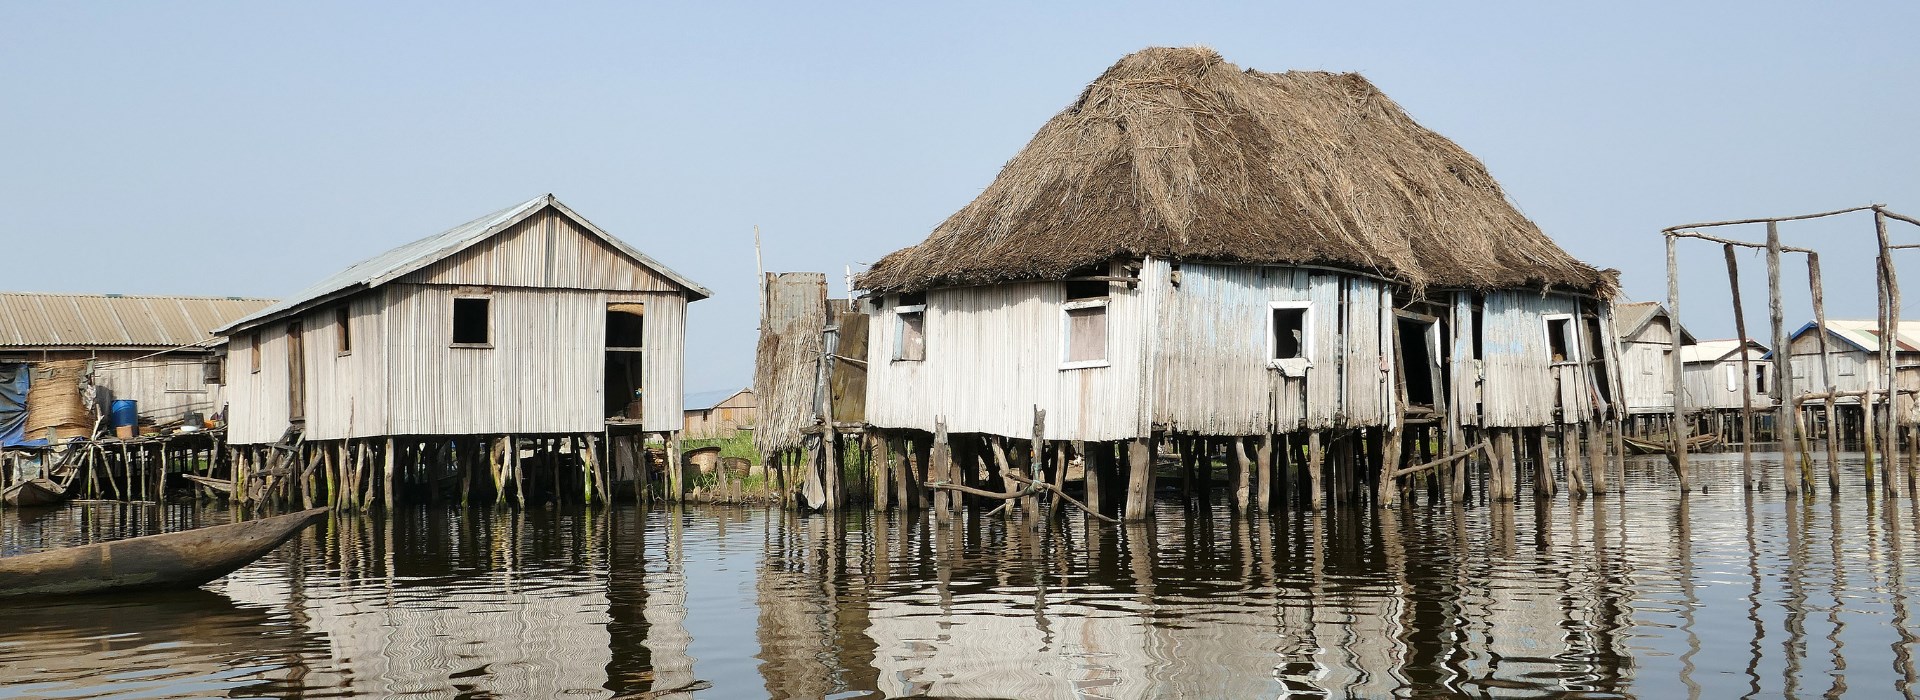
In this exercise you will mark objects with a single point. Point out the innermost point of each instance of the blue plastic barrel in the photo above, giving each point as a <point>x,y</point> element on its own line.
<point>126,412</point>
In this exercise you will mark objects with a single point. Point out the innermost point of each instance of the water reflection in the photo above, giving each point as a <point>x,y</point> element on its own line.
<point>1725,593</point>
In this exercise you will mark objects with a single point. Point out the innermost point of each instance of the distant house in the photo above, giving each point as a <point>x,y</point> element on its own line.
<point>158,351</point>
<point>527,321</point>
<point>1714,375</point>
<point>1855,344</point>
<point>719,414</point>
<point>1646,364</point>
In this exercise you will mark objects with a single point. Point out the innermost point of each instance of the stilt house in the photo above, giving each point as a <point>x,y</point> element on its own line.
<point>1194,249</point>
<point>1715,376</point>
<point>1646,360</point>
<point>158,351</point>
<point>527,321</point>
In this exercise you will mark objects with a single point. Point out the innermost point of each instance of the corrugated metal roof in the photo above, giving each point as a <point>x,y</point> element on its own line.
<point>1717,350</point>
<point>405,259</point>
<point>37,320</point>
<point>1629,317</point>
<point>703,400</point>
<point>1865,334</point>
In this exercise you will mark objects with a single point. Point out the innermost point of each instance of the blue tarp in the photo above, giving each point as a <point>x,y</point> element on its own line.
<point>13,404</point>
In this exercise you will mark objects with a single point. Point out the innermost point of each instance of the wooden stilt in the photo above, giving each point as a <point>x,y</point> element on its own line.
<point>1241,477</point>
<point>1783,422</point>
<point>1316,468</point>
<point>1263,465</point>
<point>942,471</point>
<point>1570,449</point>
<point>1139,477</point>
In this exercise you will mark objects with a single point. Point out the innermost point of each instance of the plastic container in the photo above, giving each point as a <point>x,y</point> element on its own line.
<point>125,412</point>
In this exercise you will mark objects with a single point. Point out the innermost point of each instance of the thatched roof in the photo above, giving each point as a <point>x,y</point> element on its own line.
<point>1176,153</point>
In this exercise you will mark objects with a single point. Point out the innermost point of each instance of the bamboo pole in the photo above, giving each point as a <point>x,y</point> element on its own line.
<point>1783,423</point>
<point>1677,452</point>
<point>1814,281</point>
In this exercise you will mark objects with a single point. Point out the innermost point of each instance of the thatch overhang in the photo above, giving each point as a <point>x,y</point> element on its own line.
<point>1178,154</point>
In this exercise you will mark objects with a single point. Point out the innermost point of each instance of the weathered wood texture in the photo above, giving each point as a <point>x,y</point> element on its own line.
<point>995,353</point>
<point>1646,373</point>
<point>542,370</point>
<point>1520,371</point>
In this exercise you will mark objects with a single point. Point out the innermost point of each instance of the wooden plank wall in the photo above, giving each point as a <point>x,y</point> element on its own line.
<point>1646,372</point>
<point>1707,385</point>
<point>1853,369</point>
<point>1210,370</point>
<point>994,353</point>
<point>1520,387</point>
<point>545,250</point>
<point>784,373</point>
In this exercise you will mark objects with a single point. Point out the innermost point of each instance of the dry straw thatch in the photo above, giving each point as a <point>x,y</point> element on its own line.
<point>1176,153</point>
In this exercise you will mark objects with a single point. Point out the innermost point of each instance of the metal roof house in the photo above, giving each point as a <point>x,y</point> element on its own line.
<point>527,321</point>
<point>1714,375</point>
<point>152,349</point>
<point>1646,370</point>
<point>1856,355</point>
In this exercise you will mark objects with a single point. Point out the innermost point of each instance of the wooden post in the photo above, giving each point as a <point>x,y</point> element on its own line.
<point>1570,454</point>
<point>1783,422</point>
<point>942,471</point>
<point>1503,465</point>
<point>1263,464</point>
<point>1139,479</point>
<point>1036,463</point>
<point>1678,431</point>
<point>1596,455</point>
<point>884,476</point>
<point>1386,487</point>
<point>1889,329</point>
<point>1243,485</point>
<point>1316,463</point>
<point>1747,475</point>
<point>1543,477</point>
<point>1826,366</point>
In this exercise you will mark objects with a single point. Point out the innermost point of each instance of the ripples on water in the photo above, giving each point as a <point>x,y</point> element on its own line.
<point>1726,594</point>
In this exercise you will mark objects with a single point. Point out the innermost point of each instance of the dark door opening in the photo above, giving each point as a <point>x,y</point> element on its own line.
<point>626,340</point>
<point>1598,374</point>
<point>296,374</point>
<point>1419,368</point>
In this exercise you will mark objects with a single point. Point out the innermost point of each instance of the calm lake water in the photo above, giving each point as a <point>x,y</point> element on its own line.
<point>1722,594</point>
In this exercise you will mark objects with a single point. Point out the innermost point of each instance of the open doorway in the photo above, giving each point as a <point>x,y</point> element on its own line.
<point>626,338</point>
<point>1419,355</point>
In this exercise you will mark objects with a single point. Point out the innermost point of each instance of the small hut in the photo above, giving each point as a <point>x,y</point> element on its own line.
<point>529,329</point>
<point>1646,362</point>
<point>1855,347</point>
<point>719,414</point>
<point>1227,261</point>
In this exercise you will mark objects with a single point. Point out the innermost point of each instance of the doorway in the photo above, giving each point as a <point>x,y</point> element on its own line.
<point>625,346</point>
<point>1419,355</point>
<point>296,374</point>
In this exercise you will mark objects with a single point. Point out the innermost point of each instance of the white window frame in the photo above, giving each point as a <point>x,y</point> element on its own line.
<point>1306,330</point>
<point>1066,333</point>
<point>1574,356</point>
<point>1733,378</point>
<point>899,331</point>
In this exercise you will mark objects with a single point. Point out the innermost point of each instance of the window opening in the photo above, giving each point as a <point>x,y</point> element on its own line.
<point>470,316</point>
<point>253,349</point>
<point>342,321</point>
<point>1288,332</point>
<point>1760,379</point>
<point>910,332</point>
<point>1560,338</point>
<point>1086,329</point>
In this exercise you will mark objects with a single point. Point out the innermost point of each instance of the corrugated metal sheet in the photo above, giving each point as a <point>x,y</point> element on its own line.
<point>1861,334</point>
<point>35,320</point>
<point>407,259</point>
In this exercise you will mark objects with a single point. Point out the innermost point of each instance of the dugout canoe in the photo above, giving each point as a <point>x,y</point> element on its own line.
<point>183,559</point>
<point>1659,445</point>
<point>34,492</point>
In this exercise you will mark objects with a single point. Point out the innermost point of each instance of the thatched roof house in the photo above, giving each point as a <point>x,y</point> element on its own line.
<point>1194,249</point>
<point>1178,154</point>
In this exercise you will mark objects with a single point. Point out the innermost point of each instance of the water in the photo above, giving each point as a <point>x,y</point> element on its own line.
<point>1723,594</point>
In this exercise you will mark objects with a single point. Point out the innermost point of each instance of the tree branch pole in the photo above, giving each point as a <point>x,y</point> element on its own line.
<point>1771,222</point>
<point>1483,445</point>
<point>1746,371</point>
<point>1889,336</point>
<point>1783,422</point>
<point>1826,364</point>
<point>1677,453</point>
<point>1027,488</point>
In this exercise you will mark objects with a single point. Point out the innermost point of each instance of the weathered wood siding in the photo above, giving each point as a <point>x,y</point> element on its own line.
<point>994,353</point>
<point>543,374</point>
<point>1210,350</point>
<point>167,387</point>
<point>1523,386</point>
<point>545,250</point>
<point>1853,369</point>
<point>1646,369</point>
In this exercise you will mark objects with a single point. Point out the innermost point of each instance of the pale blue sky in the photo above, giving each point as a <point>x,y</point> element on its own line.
<point>250,148</point>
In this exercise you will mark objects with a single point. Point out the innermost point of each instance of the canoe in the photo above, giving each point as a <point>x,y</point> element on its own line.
<point>33,492</point>
<point>173,560</point>
<point>1658,445</point>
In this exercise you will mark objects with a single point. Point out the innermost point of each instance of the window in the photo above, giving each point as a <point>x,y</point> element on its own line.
<point>253,349</point>
<point>1760,378</point>
<point>1799,365</point>
<point>1288,332</point>
<point>910,333</point>
<point>1733,378</point>
<point>1083,325</point>
<point>470,319</point>
<point>1846,368</point>
<point>212,369</point>
<point>343,327</point>
<point>1561,344</point>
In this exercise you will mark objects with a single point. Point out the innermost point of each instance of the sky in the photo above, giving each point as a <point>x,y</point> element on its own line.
<point>249,149</point>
